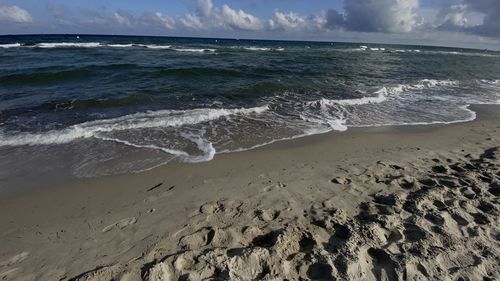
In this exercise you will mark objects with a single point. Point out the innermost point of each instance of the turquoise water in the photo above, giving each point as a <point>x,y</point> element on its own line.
<point>101,105</point>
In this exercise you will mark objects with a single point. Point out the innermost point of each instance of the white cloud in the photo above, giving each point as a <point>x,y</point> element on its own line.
<point>123,18</point>
<point>287,21</point>
<point>167,21</point>
<point>490,9</point>
<point>14,14</point>
<point>453,17</point>
<point>210,17</point>
<point>480,17</point>
<point>120,20</point>
<point>240,19</point>
<point>192,21</point>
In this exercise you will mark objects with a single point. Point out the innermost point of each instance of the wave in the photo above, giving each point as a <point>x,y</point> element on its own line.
<point>323,115</point>
<point>150,119</point>
<point>68,45</point>
<point>257,49</point>
<point>120,45</point>
<point>490,82</point>
<point>194,50</point>
<point>385,92</point>
<point>103,45</point>
<point>169,47</point>
<point>366,48</point>
<point>333,111</point>
<point>430,52</point>
<point>152,46</point>
<point>451,53</point>
<point>13,45</point>
<point>455,53</point>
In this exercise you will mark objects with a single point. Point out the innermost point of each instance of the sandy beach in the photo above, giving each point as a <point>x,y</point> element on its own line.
<point>382,203</point>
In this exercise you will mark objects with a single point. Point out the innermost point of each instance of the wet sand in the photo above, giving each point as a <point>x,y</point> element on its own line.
<point>386,203</point>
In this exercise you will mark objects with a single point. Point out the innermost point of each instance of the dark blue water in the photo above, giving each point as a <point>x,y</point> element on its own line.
<point>103,105</point>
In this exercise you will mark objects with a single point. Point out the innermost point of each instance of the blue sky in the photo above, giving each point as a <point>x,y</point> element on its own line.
<point>468,23</point>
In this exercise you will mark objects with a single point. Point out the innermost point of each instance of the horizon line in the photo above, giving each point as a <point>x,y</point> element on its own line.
<point>248,39</point>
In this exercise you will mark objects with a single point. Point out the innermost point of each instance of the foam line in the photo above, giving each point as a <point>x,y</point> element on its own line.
<point>150,119</point>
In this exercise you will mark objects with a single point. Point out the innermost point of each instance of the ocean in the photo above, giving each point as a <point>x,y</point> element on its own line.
<point>104,105</point>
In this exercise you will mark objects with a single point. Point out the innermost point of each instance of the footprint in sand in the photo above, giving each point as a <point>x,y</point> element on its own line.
<point>9,274</point>
<point>120,224</point>
<point>15,259</point>
<point>198,239</point>
<point>341,180</point>
<point>267,214</point>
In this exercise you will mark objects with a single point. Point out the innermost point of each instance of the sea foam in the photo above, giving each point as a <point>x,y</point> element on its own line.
<point>150,119</point>
<point>257,49</point>
<point>68,45</point>
<point>7,46</point>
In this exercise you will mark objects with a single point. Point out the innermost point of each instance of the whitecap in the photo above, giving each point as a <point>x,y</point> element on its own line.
<point>257,49</point>
<point>68,45</point>
<point>13,45</point>
<point>160,47</point>
<point>120,45</point>
<point>194,50</point>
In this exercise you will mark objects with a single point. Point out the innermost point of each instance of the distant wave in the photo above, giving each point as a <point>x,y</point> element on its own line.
<point>68,45</point>
<point>257,49</point>
<point>13,45</point>
<point>56,45</point>
<point>152,46</point>
<point>161,47</point>
<point>120,45</point>
<point>193,50</point>
<point>431,52</point>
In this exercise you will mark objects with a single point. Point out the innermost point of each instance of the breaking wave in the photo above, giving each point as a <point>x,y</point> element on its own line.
<point>151,119</point>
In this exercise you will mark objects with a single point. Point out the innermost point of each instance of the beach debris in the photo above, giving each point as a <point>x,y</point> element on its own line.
<point>155,187</point>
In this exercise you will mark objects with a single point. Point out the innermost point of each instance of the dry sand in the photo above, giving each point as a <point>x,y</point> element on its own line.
<point>405,203</point>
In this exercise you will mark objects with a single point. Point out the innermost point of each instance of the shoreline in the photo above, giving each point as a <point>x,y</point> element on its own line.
<point>487,111</point>
<point>124,219</point>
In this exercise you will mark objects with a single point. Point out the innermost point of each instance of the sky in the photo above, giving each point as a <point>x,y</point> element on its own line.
<point>461,23</point>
